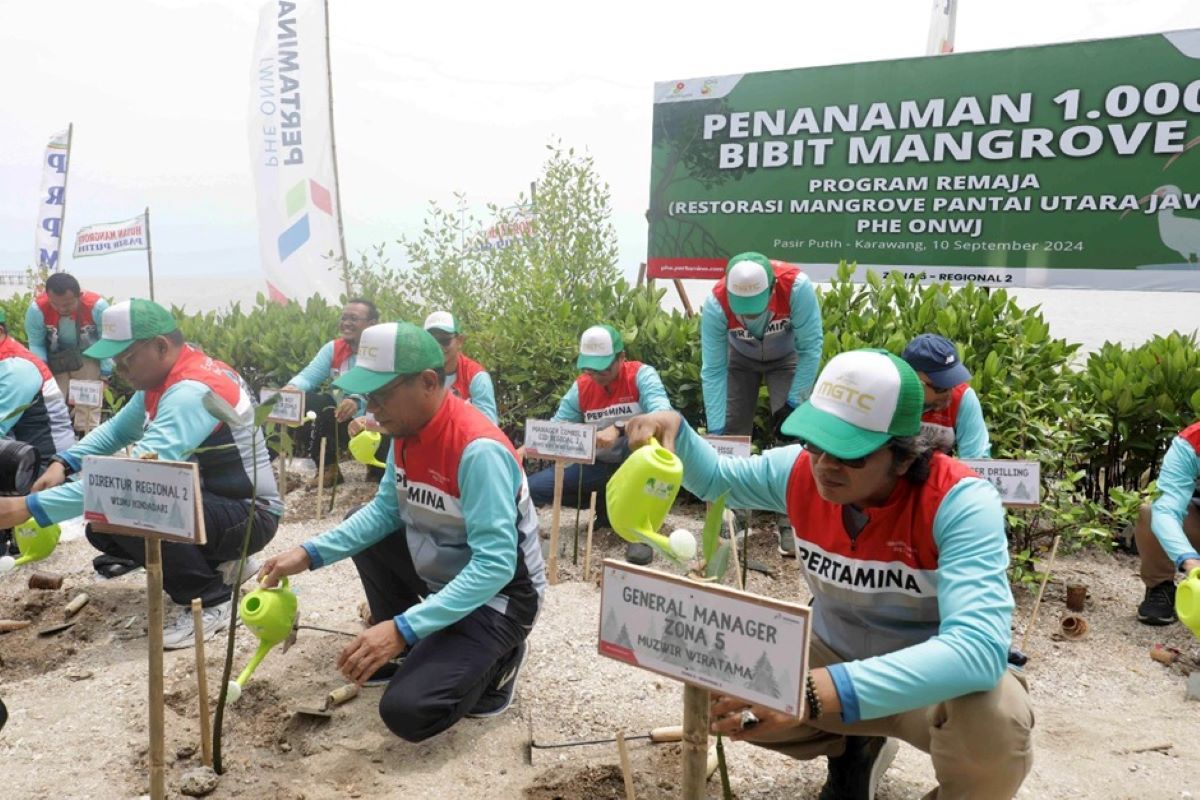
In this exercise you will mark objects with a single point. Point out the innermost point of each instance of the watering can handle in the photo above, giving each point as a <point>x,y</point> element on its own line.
<point>1194,574</point>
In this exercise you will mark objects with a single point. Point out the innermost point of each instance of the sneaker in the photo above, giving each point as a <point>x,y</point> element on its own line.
<point>787,540</point>
<point>1158,608</point>
<point>639,553</point>
<point>179,633</point>
<point>855,774</point>
<point>384,675</point>
<point>499,696</point>
<point>228,569</point>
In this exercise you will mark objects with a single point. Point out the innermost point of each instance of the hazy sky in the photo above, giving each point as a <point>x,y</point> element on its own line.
<point>430,98</point>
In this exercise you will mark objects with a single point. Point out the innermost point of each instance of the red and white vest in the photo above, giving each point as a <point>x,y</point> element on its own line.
<point>939,424</point>
<point>11,348</point>
<point>464,372</point>
<point>877,592</point>
<point>86,330</point>
<point>777,341</point>
<point>343,351</point>
<point>604,405</point>
<point>430,502</point>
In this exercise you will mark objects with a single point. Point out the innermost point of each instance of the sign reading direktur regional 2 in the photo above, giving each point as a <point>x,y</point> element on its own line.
<point>1064,165</point>
<point>732,642</point>
<point>158,499</point>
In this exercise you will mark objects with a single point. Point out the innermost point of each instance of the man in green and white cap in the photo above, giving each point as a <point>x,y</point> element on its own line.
<point>610,391</point>
<point>448,551</point>
<point>761,323</point>
<point>465,377</point>
<point>904,551</point>
<point>168,417</point>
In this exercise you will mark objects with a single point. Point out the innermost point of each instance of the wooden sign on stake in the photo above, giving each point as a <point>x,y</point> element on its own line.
<point>563,443</point>
<point>153,500</point>
<point>289,407</point>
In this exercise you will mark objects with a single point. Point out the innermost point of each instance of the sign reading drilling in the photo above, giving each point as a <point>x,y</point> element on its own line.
<point>1066,165</point>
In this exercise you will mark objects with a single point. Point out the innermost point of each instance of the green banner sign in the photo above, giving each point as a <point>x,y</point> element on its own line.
<point>1066,165</point>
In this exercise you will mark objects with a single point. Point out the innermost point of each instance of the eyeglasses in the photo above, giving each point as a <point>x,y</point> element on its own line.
<point>815,452</point>
<point>936,389</point>
<point>353,318</point>
<point>121,360</point>
<point>381,395</point>
<point>444,340</point>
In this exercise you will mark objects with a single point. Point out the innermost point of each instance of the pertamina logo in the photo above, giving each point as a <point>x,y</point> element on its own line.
<point>846,394</point>
<point>298,199</point>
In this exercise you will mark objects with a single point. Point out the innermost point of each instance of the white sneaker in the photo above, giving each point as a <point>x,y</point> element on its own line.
<point>228,569</point>
<point>178,631</point>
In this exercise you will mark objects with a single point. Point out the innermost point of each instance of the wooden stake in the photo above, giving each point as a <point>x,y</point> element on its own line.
<point>202,685</point>
<point>1038,602</point>
<point>321,482</point>
<point>154,624</point>
<point>554,519</point>
<point>683,297</point>
<point>641,274</point>
<point>626,770</point>
<point>695,742</point>
<point>733,550</point>
<point>587,553</point>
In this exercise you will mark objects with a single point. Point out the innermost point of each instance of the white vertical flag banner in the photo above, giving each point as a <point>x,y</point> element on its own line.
<point>941,28</point>
<point>48,238</point>
<point>112,237</point>
<point>291,152</point>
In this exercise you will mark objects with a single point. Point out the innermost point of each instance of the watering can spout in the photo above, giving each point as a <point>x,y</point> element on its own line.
<point>259,655</point>
<point>268,614</point>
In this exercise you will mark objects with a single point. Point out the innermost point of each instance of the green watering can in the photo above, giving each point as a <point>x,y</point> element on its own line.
<point>34,541</point>
<point>641,492</point>
<point>363,446</point>
<point>1187,601</point>
<point>268,614</point>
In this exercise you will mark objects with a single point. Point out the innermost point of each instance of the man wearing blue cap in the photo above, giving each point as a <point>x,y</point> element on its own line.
<point>953,418</point>
<point>904,551</point>
<point>761,323</point>
<point>448,552</point>
<point>168,417</point>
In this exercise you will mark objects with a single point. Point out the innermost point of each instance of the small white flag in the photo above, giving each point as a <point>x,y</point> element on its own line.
<point>112,237</point>
<point>941,28</point>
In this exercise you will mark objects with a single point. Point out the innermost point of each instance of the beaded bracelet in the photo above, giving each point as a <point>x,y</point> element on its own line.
<point>811,699</point>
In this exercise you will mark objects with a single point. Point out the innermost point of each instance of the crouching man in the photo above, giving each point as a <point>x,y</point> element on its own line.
<point>447,552</point>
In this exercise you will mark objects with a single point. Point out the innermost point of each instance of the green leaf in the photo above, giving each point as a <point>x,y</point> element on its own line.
<point>716,567</point>
<point>264,410</point>
<point>712,528</point>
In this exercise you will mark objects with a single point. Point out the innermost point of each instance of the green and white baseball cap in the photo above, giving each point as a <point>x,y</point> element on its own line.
<point>598,347</point>
<point>749,278</point>
<point>128,322</point>
<point>861,400</point>
<point>387,351</point>
<point>442,321</point>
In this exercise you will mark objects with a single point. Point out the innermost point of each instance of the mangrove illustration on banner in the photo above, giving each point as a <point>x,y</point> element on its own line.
<point>1069,165</point>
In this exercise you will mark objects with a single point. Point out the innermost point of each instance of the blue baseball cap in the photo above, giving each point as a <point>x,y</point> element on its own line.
<point>937,357</point>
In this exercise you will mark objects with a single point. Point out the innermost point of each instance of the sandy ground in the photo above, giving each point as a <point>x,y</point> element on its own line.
<point>1111,723</point>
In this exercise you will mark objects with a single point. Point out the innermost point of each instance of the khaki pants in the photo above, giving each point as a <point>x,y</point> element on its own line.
<point>84,419</point>
<point>981,743</point>
<point>1156,566</point>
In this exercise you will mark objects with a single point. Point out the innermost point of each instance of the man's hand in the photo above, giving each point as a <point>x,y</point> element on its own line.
<point>55,475</point>
<point>360,424</point>
<point>13,511</point>
<point>1189,564</point>
<point>521,454</point>
<point>346,409</point>
<point>291,562</point>
<point>662,425</point>
<point>727,715</point>
<point>370,650</point>
<point>607,437</point>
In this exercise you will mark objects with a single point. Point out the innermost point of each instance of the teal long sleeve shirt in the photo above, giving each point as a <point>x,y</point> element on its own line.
<point>970,431</point>
<point>1176,484</point>
<point>20,383</point>
<point>970,650</point>
<point>68,335</point>
<point>483,394</point>
<point>488,478</point>
<point>808,335</point>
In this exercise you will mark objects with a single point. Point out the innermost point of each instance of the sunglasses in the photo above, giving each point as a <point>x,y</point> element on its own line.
<point>815,452</point>
<point>444,341</point>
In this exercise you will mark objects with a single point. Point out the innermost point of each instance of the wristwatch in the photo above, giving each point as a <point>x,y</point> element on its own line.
<point>66,465</point>
<point>620,426</point>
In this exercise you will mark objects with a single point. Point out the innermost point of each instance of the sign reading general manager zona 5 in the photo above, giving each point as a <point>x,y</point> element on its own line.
<point>739,644</point>
<point>1062,165</point>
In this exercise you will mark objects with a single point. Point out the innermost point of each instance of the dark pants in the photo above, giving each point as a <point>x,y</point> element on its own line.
<point>445,674</point>
<point>189,570</point>
<point>595,478</point>
<point>742,382</point>
<point>325,426</point>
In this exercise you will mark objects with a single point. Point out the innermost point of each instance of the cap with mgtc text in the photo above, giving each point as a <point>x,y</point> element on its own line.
<point>937,357</point>
<point>387,351</point>
<point>749,278</point>
<point>598,347</point>
<point>128,322</point>
<point>442,321</point>
<point>861,400</point>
